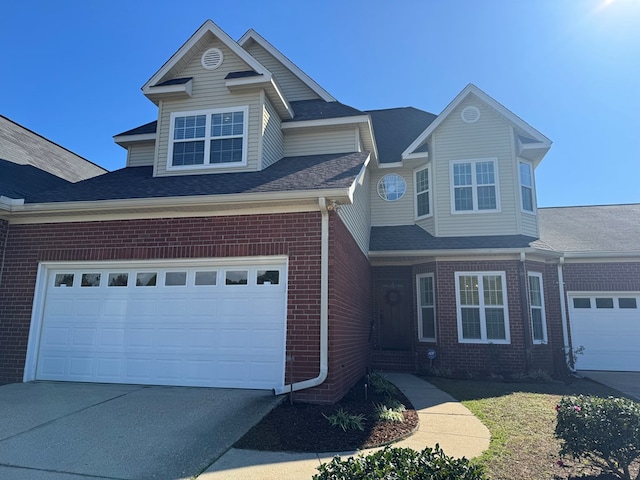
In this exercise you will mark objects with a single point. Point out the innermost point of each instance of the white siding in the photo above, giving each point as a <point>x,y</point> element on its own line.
<point>272,139</point>
<point>490,137</point>
<point>318,141</point>
<point>209,92</point>
<point>141,154</point>
<point>292,87</point>
<point>357,217</point>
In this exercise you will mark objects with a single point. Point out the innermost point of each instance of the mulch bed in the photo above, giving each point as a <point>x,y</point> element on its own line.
<point>301,427</point>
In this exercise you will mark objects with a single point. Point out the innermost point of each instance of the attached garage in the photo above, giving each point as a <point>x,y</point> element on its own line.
<point>206,323</point>
<point>607,325</point>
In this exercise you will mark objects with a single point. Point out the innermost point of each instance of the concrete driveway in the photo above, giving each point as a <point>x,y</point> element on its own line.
<point>625,382</point>
<point>74,431</point>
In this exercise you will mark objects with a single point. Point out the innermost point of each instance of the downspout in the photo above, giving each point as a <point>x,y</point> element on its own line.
<point>563,314</point>
<point>324,310</point>
<point>524,301</point>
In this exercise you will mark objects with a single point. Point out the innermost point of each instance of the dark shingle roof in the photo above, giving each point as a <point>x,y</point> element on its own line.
<point>320,109</point>
<point>19,181</point>
<point>412,237</point>
<point>141,130</point>
<point>247,73</point>
<point>174,81</point>
<point>396,128</point>
<point>315,172</point>
<point>605,228</point>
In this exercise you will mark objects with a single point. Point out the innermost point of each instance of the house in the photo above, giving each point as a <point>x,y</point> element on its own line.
<point>265,235</point>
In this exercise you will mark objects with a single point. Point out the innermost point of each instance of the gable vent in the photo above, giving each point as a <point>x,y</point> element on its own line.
<point>212,58</point>
<point>470,115</point>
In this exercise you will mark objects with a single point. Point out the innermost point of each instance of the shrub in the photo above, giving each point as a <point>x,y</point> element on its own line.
<point>389,414</point>
<point>603,431</point>
<point>400,464</point>
<point>381,385</point>
<point>346,421</point>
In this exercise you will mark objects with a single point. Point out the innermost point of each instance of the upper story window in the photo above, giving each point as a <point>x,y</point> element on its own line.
<point>208,138</point>
<point>526,186</point>
<point>423,193</point>
<point>391,187</point>
<point>474,186</point>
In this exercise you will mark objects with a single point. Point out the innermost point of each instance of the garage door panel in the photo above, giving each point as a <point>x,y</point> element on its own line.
<point>610,336</point>
<point>211,334</point>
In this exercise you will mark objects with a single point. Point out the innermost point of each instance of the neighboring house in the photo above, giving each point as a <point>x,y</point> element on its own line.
<point>265,235</point>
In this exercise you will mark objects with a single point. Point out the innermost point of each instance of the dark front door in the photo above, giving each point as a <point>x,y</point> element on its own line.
<point>394,314</point>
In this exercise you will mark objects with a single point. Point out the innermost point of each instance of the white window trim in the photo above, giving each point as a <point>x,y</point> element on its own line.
<point>483,324</point>
<point>207,139</point>
<point>421,337</point>
<point>541,308</point>
<point>474,186</point>
<point>429,192</point>
<point>533,189</point>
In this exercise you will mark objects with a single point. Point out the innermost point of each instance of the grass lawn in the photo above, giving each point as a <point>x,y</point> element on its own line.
<point>522,419</point>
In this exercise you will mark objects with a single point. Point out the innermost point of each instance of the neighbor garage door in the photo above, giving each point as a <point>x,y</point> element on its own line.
<point>218,325</point>
<point>608,326</point>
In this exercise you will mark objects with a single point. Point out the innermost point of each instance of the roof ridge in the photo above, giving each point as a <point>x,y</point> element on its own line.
<point>592,206</point>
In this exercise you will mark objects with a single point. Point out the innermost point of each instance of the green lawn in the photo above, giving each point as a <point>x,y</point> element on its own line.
<point>522,419</point>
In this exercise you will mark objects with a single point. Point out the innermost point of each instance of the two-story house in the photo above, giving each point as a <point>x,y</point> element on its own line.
<point>265,235</point>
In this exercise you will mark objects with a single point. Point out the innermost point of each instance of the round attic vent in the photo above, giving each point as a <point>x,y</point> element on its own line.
<point>212,58</point>
<point>470,115</point>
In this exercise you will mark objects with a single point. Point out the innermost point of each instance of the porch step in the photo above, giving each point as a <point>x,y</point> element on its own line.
<point>393,361</point>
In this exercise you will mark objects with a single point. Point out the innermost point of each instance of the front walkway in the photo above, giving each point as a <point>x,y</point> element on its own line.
<point>443,420</point>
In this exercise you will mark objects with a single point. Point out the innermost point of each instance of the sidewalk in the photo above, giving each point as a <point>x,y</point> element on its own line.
<point>443,420</point>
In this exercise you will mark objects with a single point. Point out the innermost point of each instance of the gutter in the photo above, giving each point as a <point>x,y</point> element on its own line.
<point>563,314</point>
<point>324,310</point>
<point>460,251</point>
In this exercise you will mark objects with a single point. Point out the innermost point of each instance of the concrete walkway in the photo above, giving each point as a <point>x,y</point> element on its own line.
<point>625,382</point>
<point>443,420</point>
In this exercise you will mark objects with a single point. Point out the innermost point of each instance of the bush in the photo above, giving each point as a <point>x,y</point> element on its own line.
<point>400,464</point>
<point>388,414</point>
<point>603,431</point>
<point>381,385</point>
<point>346,421</point>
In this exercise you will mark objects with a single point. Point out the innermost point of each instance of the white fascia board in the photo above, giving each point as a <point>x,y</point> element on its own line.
<point>453,252</point>
<point>416,156</point>
<point>601,255</point>
<point>183,201</point>
<point>247,81</point>
<point>326,122</point>
<point>267,82</point>
<point>369,131</point>
<point>390,165</point>
<point>7,202</point>
<point>207,26</point>
<point>127,139</point>
<point>306,79</point>
<point>358,179</point>
<point>185,88</point>
<point>472,89</point>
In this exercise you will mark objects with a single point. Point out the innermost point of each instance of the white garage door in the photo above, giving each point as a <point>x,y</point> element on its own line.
<point>608,326</point>
<point>204,325</point>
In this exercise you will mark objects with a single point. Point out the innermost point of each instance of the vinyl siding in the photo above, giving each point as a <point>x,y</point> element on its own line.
<point>321,140</point>
<point>141,154</point>
<point>529,224</point>
<point>292,87</point>
<point>357,216</point>
<point>402,211</point>
<point>272,138</point>
<point>210,92</point>
<point>491,138</point>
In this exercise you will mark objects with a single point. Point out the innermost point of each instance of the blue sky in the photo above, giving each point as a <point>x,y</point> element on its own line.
<point>72,70</point>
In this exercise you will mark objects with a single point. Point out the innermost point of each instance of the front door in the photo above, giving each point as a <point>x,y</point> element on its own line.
<point>394,314</point>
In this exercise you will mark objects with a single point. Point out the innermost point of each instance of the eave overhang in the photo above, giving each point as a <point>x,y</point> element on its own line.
<point>126,140</point>
<point>268,83</point>
<point>155,93</point>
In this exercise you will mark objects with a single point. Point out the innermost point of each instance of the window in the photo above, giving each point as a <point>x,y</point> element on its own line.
<point>627,303</point>
<point>581,303</point>
<point>90,280</point>
<point>604,302</point>
<point>236,277</point>
<point>208,138</point>
<point>426,308</point>
<point>268,277</point>
<point>526,187</point>
<point>118,279</point>
<point>482,307</point>
<point>474,186</point>
<point>536,304</point>
<point>423,192</point>
<point>175,279</point>
<point>391,187</point>
<point>64,280</point>
<point>206,278</point>
<point>146,279</point>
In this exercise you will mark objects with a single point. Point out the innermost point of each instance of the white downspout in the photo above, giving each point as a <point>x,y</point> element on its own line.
<point>324,310</point>
<point>563,314</point>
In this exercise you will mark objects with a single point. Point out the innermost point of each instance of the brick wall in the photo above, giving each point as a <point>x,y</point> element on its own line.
<point>296,235</point>
<point>349,316</point>
<point>602,277</point>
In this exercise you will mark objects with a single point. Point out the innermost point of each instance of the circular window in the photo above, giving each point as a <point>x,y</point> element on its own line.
<point>212,58</point>
<point>470,115</point>
<point>391,187</point>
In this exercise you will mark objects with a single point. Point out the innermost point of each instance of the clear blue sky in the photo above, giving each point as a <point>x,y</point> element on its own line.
<point>72,70</point>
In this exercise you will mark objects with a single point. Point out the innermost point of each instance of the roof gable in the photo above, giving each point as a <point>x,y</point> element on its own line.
<point>253,36</point>
<point>523,127</point>
<point>192,47</point>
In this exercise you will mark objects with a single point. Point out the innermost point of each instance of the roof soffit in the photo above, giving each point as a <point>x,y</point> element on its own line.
<point>254,36</point>
<point>195,45</point>
<point>519,124</point>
